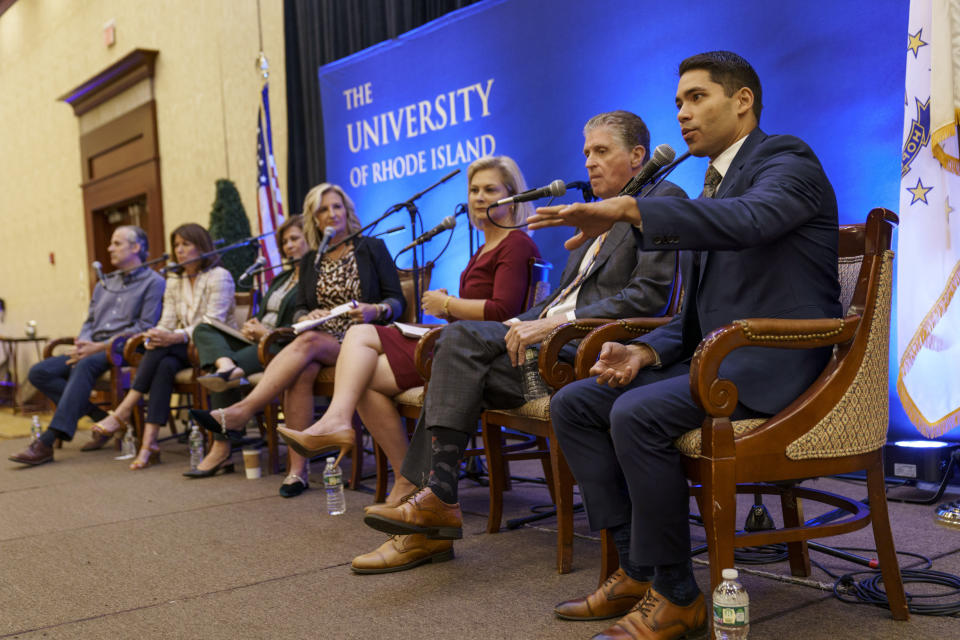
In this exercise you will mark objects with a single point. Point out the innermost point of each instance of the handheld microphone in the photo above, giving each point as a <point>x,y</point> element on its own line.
<point>328,233</point>
<point>259,262</point>
<point>662,156</point>
<point>555,188</point>
<point>447,223</point>
<point>98,268</point>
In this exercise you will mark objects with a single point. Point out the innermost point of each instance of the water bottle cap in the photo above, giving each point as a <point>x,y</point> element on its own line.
<point>730,574</point>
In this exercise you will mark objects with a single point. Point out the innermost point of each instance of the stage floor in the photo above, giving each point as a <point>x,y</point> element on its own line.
<point>89,549</point>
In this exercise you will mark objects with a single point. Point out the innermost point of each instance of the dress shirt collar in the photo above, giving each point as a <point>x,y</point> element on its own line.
<point>725,159</point>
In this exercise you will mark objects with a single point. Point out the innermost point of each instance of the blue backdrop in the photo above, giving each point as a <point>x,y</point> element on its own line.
<point>520,77</point>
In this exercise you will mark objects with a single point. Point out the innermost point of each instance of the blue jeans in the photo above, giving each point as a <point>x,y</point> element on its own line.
<point>69,387</point>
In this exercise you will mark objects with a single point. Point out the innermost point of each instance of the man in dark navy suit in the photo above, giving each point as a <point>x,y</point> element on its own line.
<point>761,241</point>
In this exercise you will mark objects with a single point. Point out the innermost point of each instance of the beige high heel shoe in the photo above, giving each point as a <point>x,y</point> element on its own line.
<point>309,446</point>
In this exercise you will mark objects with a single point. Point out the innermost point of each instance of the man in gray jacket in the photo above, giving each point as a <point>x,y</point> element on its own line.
<point>475,364</point>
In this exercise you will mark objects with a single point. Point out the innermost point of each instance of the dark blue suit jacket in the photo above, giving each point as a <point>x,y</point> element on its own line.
<point>767,248</point>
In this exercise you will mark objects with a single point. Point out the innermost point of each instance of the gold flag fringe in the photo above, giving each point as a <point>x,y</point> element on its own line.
<point>941,135</point>
<point>935,428</point>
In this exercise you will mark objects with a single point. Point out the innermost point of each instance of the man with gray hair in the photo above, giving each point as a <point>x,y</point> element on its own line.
<point>475,364</point>
<point>126,302</point>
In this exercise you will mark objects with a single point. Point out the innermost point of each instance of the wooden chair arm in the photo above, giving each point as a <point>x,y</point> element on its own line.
<point>625,329</point>
<point>423,356</point>
<point>117,346</point>
<point>555,372</point>
<point>53,344</point>
<point>131,351</point>
<point>267,342</point>
<point>717,396</point>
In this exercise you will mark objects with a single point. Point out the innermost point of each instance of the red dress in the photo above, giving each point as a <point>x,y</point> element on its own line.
<point>500,276</point>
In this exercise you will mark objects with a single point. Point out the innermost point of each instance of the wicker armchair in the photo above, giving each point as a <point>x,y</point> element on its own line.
<point>534,418</point>
<point>837,426</point>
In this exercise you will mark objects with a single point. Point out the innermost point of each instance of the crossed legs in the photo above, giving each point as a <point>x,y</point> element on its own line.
<point>366,384</point>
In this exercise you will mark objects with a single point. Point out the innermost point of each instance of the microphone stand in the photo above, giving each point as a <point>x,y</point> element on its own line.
<point>412,209</point>
<point>148,263</point>
<point>235,245</point>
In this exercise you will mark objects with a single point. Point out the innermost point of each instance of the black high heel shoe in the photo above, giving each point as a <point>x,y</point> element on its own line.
<point>226,465</point>
<point>206,420</point>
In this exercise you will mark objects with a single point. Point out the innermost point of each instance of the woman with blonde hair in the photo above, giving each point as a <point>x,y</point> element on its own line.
<point>354,269</point>
<point>377,362</point>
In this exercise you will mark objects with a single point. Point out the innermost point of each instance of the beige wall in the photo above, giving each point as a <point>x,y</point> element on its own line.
<point>207,92</point>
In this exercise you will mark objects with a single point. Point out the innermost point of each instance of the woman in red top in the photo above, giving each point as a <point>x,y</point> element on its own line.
<point>377,362</point>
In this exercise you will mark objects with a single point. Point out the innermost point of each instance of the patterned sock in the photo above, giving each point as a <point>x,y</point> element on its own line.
<point>675,583</point>
<point>448,447</point>
<point>621,540</point>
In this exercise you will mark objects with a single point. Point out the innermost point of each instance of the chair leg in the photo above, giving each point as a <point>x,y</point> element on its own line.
<point>720,499</point>
<point>356,456</point>
<point>544,445</point>
<point>793,517</point>
<point>380,493</point>
<point>564,502</point>
<point>493,444</point>
<point>270,418</point>
<point>887,554</point>
<point>609,559</point>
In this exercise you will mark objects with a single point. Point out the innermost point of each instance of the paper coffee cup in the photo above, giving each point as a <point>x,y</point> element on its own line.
<point>251,463</point>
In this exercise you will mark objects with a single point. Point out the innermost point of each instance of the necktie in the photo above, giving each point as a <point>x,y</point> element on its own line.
<point>576,281</point>
<point>711,181</point>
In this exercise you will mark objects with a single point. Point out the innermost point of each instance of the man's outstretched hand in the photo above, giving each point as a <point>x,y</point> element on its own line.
<point>590,218</point>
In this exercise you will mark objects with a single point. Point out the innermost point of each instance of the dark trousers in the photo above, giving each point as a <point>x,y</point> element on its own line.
<point>213,343</point>
<point>69,387</point>
<point>155,377</point>
<point>619,444</point>
<point>471,372</point>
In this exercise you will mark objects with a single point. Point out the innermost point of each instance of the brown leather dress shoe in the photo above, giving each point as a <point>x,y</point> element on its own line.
<point>615,597</point>
<point>421,512</point>
<point>400,553</point>
<point>656,618</point>
<point>36,453</point>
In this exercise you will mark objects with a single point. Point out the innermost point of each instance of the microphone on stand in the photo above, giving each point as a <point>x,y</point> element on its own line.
<point>259,262</point>
<point>585,189</point>
<point>555,188</point>
<point>98,268</point>
<point>662,156</point>
<point>328,233</point>
<point>171,267</point>
<point>447,223</point>
<point>390,231</point>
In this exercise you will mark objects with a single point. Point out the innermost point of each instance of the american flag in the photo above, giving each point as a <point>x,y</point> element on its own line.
<point>269,204</point>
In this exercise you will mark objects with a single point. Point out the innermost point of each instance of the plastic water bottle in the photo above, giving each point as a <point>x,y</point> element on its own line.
<point>128,446</point>
<point>731,608</point>
<point>333,484</point>
<point>35,428</point>
<point>196,447</point>
<point>533,385</point>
